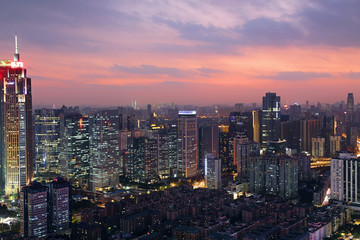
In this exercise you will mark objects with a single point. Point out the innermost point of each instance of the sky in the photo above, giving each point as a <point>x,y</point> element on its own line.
<point>101,53</point>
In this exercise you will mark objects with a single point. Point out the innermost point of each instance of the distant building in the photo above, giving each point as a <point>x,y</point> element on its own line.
<point>335,146</point>
<point>187,144</point>
<point>308,129</point>
<point>257,126</point>
<point>270,118</point>
<point>212,172</point>
<point>243,150</point>
<point>318,147</point>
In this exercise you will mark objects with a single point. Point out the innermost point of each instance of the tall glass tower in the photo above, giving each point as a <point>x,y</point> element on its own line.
<point>270,118</point>
<point>16,125</point>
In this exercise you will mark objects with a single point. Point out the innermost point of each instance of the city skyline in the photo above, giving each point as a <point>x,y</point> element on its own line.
<point>185,52</point>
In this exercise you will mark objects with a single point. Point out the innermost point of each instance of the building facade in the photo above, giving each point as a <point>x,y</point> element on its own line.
<point>187,144</point>
<point>16,125</point>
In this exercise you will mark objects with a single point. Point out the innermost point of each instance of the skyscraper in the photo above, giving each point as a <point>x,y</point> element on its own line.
<point>187,144</point>
<point>34,210</point>
<point>270,118</point>
<point>16,125</point>
<point>350,103</point>
<point>104,149</point>
<point>212,172</point>
<point>47,142</point>
<point>75,149</point>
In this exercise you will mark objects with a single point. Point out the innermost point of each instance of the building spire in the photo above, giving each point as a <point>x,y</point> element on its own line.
<point>16,54</point>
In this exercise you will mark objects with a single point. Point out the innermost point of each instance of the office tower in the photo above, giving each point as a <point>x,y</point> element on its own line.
<point>16,125</point>
<point>151,160</point>
<point>187,144</point>
<point>318,147</point>
<point>215,139</point>
<point>257,126</point>
<point>295,112</point>
<point>133,104</point>
<point>290,131</point>
<point>34,210</point>
<point>257,175</point>
<point>149,113</point>
<point>226,148</point>
<point>47,142</point>
<point>205,137</point>
<point>60,205</point>
<point>212,172</point>
<point>167,147</point>
<point>327,127</point>
<point>131,122</point>
<point>350,103</point>
<point>135,159</point>
<point>239,107</point>
<point>271,118</point>
<point>241,123</point>
<point>344,178</point>
<point>308,129</point>
<point>75,147</point>
<point>335,145</point>
<point>243,151</point>
<point>104,150</point>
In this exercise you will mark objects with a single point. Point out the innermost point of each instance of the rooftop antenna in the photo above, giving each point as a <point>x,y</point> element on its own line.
<point>16,55</point>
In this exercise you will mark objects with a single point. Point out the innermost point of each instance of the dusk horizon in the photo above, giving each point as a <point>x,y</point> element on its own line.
<point>186,52</point>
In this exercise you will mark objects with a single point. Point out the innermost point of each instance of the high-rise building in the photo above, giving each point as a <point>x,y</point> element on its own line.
<point>308,129</point>
<point>59,205</point>
<point>34,210</point>
<point>257,126</point>
<point>187,144</point>
<point>350,103</point>
<point>241,123</point>
<point>104,150</point>
<point>135,160</point>
<point>16,167</point>
<point>75,148</point>
<point>275,176</point>
<point>47,142</point>
<point>243,151</point>
<point>295,112</point>
<point>226,148</point>
<point>167,147</point>
<point>271,118</point>
<point>345,172</point>
<point>151,160</point>
<point>212,172</point>
<point>318,147</point>
<point>335,145</point>
<point>45,209</point>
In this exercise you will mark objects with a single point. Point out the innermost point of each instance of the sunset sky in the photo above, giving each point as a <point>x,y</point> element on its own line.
<point>87,52</point>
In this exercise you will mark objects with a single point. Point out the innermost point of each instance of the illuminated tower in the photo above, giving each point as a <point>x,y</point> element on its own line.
<point>16,125</point>
<point>187,144</point>
<point>271,118</point>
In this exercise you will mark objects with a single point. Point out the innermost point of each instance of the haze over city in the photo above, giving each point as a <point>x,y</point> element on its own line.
<point>187,52</point>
